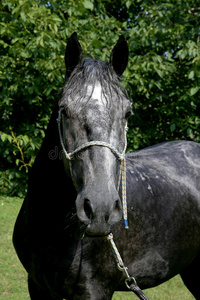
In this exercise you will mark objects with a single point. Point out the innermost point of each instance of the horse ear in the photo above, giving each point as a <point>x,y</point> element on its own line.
<point>119,56</point>
<point>73,54</point>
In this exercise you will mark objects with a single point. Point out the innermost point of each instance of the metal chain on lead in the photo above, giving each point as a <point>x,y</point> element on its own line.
<point>130,281</point>
<point>119,261</point>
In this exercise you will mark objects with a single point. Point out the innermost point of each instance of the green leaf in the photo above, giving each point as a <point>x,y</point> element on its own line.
<point>10,138</point>
<point>191,75</point>
<point>194,90</point>
<point>96,43</point>
<point>88,4</point>
<point>158,71</point>
<point>128,3</point>
<point>172,127</point>
<point>56,18</point>
<point>4,137</point>
<point>25,139</point>
<point>190,133</point>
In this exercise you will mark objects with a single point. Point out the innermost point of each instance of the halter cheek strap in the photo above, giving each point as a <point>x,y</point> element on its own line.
<point>120,156</point>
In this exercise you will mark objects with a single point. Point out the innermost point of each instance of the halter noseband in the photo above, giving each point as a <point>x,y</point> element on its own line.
<point>120,156</point>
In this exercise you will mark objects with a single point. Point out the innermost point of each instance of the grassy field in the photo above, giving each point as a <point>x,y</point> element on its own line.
<point>13,284</point>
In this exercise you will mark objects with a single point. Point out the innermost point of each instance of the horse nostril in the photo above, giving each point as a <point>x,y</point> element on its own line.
<point>88,209</point>
<point>117,206</point>
<point>107,217</point>
<point>116,212</point>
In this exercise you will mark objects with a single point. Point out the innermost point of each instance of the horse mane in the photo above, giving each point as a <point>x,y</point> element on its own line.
<point>87,73</point>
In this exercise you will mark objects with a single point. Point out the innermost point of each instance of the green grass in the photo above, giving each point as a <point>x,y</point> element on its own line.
<point>13,284</point>
<point>13,278</point>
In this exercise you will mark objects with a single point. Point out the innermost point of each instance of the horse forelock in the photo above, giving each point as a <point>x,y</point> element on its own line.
<point>90,73</point>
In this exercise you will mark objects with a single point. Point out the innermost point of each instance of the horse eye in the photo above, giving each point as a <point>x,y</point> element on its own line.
<point>128,113</point>
<point>64,113</point>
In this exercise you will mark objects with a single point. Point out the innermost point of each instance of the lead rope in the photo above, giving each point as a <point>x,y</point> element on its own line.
<point>122,179</point>
<point>129,281</point>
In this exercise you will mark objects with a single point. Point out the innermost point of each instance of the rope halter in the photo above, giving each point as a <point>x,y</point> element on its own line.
<point>120,156</point>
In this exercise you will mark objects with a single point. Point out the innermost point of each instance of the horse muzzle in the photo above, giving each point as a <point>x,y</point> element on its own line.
<point>98,212</point>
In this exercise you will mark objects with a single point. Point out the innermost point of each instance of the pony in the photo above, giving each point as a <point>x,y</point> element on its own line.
<point>73,202</point>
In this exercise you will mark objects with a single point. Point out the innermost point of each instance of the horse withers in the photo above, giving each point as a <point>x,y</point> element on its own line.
<point>73,203</point>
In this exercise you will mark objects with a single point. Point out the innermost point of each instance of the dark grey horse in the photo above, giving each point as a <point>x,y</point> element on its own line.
<point>60,232</point>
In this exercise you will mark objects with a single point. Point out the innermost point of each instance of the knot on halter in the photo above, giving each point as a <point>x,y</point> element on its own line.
<point>120,156</point>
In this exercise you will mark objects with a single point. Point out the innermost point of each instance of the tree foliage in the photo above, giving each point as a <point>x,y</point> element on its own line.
<point>162,78</point>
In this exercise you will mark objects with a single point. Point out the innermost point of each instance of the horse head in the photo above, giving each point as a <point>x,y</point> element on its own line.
<point>94,108</point>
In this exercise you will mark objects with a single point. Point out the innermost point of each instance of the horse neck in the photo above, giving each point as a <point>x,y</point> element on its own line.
<point>47,176</point>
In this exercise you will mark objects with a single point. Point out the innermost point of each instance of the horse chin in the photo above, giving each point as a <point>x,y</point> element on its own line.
<point>95,236</point>
<point>97,231</point>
